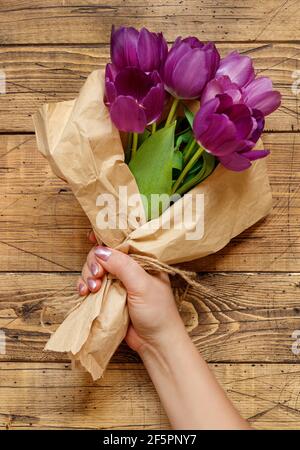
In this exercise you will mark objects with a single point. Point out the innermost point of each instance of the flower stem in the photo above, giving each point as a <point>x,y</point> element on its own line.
<point>134,144</point>
<point>128,148</point>
<point>187,168</point>
<point>189,151</point>
<point>191,183</point>
<point>153,129</point>
<point>172,112</point>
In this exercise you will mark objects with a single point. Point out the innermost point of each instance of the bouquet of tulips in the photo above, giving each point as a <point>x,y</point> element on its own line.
<point>178,124</point>
<point>145,85</point>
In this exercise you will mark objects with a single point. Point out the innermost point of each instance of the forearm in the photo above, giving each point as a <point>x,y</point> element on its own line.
<point>189,392</point>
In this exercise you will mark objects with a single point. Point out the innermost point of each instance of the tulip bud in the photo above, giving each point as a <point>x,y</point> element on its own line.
<point>135,99</point>
<point>190,64</point>
<point>259,94</point>
<point>141,49</point>
<point>239,68</point>
<point>222,85</point>
<point>229,131</point>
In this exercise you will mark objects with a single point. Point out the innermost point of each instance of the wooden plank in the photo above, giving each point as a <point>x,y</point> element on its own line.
<point>36,75</point>
<point>43,228</point>
<point>273,244</point>
<point>247,318</point>
<point>40,210</point>
<point>73,21</point>
<point>52,396</point>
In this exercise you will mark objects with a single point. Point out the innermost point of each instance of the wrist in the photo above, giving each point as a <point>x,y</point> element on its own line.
<point>165,344</point>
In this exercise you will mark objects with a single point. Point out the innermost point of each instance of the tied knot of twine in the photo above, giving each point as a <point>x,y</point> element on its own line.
<point>154,265</point>
<point>151,265</point>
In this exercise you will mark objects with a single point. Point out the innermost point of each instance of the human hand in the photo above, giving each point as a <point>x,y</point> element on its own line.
<point>151,304</point>
<point>189,392</point>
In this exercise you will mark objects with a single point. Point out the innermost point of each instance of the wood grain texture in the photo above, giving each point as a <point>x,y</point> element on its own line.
<point>273,244</point>
<point>43,228</point>
<point>52,396</point>
<point>246,318</point>
<point>72,21</point>
<point>244,328</point>
<point>36,75</point>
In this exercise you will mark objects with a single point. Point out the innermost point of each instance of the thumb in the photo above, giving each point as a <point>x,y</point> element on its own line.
<point>132,275</point>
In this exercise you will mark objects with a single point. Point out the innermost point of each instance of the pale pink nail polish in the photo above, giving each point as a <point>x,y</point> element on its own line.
<point>102,253</point>
<point>91,284</point>
<point>95,269</point>
<point>81,288</point>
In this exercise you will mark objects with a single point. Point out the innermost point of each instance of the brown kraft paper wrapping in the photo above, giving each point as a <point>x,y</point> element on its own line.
<point>84,148</point>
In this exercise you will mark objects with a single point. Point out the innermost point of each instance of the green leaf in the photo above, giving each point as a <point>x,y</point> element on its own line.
<point>208,165</point>
<point>177,164</point>
<point>209,162</point>
<point>143,136</point>
<point>189,116</point>
<point>152,169</point>
<point>195,169</point>
<point>177,160</point>
<point>184,138</point>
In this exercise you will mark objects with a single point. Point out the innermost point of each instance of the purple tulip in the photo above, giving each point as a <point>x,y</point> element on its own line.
<point>135,99</point>
<point>141,49</point>
<point>229,131</point>
<point>190,64</point>
<point>238,68</point>
<point>259,94</point>
<point>222,85</point>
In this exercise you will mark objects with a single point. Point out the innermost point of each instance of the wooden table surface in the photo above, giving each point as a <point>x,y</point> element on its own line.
<point>48,47</point>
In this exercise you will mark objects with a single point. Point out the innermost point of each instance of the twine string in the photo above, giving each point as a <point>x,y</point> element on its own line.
<point>151,265</point>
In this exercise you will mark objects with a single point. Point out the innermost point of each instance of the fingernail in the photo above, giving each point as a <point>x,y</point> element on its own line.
<point>91,284</point>
<point>94,269</point>
<point>81,288</point>
<point>102,253</point>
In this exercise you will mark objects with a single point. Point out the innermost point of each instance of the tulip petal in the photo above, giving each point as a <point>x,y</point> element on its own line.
<point>147,50</point>
<point>259,94</point>
<point>238,68</point>
<point>193,42</point>
<point>130,52</point>
<point>266,102</point>
<point>240,115</point>
<point>154,77</point>
<point>252,155</point>
<point>200,123</point>
<point>225,102</point>
<point>219,131</point>
<point>212,58</point>
<point>258,86</point>
<point>190,74</point>
<point>190,64</point>
<point>222,85</point>
<point>163,50</point>
<point>235,162</point>
<point>123,47</point>
<point>212,89</point>
<point>128,115</point>
<point>133,82</point>
<point>260,123</point>
<point>154,103</point>
<point>177,51</point>
<point>110,92</point>
<point>110,72</point>
<point>234,146</point>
